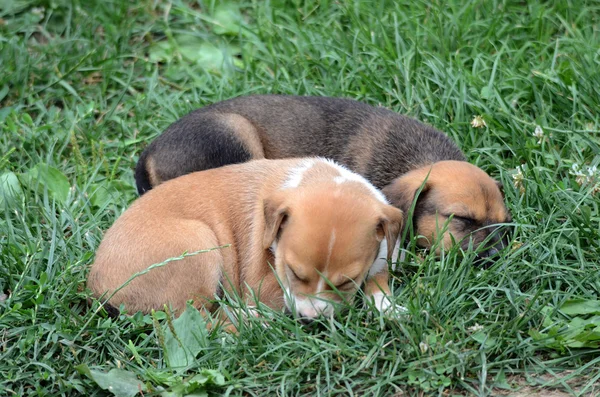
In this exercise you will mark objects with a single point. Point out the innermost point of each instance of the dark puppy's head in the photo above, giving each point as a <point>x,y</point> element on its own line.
<point>458,191</point>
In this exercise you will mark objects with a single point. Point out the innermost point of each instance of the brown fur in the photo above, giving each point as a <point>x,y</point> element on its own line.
<point>246,132</point>
<point>390,150</point>
<point>245,206</point>
<point>153,174</point>
<point>450,189</point>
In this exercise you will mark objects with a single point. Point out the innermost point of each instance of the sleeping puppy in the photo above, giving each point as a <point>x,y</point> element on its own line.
<point>396,153</point>
<point>323,229</point>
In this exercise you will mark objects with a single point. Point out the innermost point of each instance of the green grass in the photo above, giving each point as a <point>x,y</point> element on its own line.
<point>85,86</point>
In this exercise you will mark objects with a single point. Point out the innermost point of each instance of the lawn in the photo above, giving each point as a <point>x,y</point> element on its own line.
<point>86,85</point>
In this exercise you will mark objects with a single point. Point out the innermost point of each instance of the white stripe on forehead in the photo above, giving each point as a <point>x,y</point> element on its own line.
<point>296,174</point>
<point>348,176</point>
<point>321,284</point>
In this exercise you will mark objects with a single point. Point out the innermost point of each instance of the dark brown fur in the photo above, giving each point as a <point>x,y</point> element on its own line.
<point>375,142</point>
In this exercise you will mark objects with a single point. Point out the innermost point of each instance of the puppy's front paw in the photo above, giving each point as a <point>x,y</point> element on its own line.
<point>253,312</point>
<point>384,304</point>
<point>264,320</point>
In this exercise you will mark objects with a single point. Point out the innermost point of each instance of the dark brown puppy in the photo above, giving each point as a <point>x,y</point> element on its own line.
<point>395,153</point>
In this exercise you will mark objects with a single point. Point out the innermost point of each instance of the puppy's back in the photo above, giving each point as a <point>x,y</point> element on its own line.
<point>355,134</point>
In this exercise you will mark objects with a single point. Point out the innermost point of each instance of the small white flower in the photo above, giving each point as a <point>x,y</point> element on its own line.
<point>592,171</point>
<point>539,134</point>
<point>580,176</point>
<point>519,179</point>
<point>478,122</point>
<point>586,177</point>
<point>424,347</point>
<point>475,328</point>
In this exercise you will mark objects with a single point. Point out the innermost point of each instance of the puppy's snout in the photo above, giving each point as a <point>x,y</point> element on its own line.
<point>497,240</point>
<point>496,243</point>
<point>308,309</point>
<point>305,320</point>
<point>309,313</point>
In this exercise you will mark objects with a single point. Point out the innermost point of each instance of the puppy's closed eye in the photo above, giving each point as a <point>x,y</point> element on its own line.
<point>346,284</point>
<point>468,221</point>
<point>465,219</point>
<point>296,276</point>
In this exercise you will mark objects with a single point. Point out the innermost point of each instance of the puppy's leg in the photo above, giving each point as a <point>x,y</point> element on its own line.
<point>378,290</point>
<point>196,277</point>
<point>126,252</point>
<point>197,142</point>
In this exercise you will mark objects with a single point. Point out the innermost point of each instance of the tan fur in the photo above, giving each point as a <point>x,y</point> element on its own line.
<point>381,145</point>
<point>152,173</point>
<point>244,205</point>
<point>246,132</point>
<point>363,146</point>
<point>450,188</point>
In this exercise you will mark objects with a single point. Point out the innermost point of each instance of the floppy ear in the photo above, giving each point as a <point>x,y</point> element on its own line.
<point>276,214</point>
<point>389,227</point>
<point>402,191</point>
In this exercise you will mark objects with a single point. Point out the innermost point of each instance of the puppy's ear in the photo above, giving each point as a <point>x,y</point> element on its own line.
<point>402,191</point>
<point>389,227</point>
<point>276,214</point>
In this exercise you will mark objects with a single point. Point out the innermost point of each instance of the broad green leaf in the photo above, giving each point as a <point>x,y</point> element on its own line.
<point>580,306</point>
<point>486,92</point>
<point>10,188</point>
<point>196,386</point>
<point>161,52</point>
<point>119,382</point>
<point>484,339</point>
<point>26,118</point>
<point>43,176</point>
<point>227,19</point>
<point>193,49</point>
<point>205,55</point>
<point>208,377</point>
<point>189,338</point>
<point>108,192</point>
<point>501,382</point>
<point>582,331</point>
<point>4,112</point>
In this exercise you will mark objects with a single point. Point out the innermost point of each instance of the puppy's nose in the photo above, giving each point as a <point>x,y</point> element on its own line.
<point>498,240</point>
<point>309,313</point>
<point>305,320</point>
<point>493,250</point>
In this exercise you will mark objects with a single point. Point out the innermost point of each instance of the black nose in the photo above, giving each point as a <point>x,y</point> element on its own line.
<point>496,242</point>
<point>305,320</point>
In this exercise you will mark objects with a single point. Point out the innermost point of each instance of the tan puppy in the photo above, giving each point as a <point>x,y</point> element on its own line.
<point>319,225</point>
<point>453,190</point>
<point>394,152</point>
